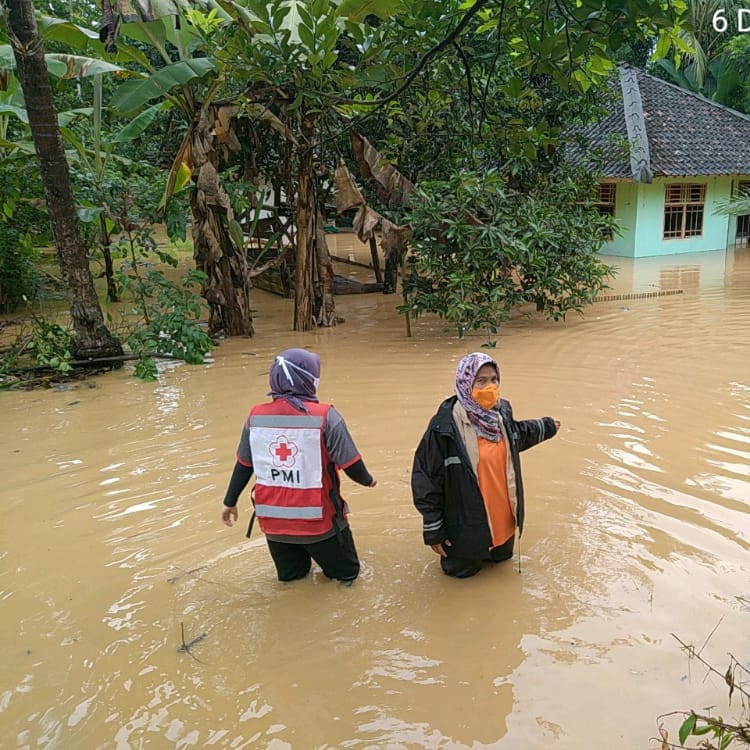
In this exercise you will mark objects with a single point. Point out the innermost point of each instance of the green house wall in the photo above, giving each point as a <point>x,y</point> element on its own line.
<point>639,211</point>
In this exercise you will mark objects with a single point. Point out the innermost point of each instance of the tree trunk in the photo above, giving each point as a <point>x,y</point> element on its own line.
<point>303,293</point>
<point>227,289</point>
<point>313,273</point>
<point>375,259</point>
<point>326,307</point>
<point>392,263</point>
<point>91,337</point>
<point>109,270</point>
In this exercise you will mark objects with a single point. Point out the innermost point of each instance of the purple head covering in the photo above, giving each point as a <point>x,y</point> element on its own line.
<point>486,421</point>
<point>294,376</point>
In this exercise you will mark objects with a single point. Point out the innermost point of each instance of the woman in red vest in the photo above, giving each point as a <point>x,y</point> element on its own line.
<point>295,446</point>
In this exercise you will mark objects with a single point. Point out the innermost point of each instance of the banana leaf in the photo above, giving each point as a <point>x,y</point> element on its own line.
<point>132,95</point>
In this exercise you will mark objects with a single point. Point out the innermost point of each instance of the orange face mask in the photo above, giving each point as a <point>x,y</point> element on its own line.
<point>486,397</point>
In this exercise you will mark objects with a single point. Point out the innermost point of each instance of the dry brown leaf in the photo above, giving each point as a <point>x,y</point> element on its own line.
<point>394,187</point>
<point>394,236</point>
<point>223,127</point>
<point>365,221</point>
<point>346,192</point>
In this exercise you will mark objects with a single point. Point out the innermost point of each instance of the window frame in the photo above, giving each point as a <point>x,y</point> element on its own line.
<point>685,201</point>
<point>605,203</point>
<point>606,195</point>
<point>742,221</point>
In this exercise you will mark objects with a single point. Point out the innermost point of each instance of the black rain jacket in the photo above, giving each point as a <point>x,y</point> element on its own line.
<point>446,490</point>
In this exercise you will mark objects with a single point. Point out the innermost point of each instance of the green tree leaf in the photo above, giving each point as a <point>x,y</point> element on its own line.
<point>138,124</point>
<point>76,66</point>
<point>134,94</point>
<point>356,10</point>
<point>19,112</point>
<point>687,727</point>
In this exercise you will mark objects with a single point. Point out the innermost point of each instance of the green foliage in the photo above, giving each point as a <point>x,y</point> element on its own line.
<point>159,315</point>
<point>51,346</point>
<point>19,278</point>
<point>170,313</point>
<point>206,24</point>
<point>132,95</point>
<point>720,80</point>
<point>480,250</point>
<point>738,50</point>
<point>163,314</point>
<point>358,9</point>
<point>735,206</point>
<point>40,344</point>
<point>495,95</point>
<point>707,56</point>
<point>22,225</point>
<point>715,733</point>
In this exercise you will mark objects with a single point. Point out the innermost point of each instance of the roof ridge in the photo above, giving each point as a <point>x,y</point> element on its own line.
<point>635,125</point>
<point>700,97</point>
<point>683,136</point>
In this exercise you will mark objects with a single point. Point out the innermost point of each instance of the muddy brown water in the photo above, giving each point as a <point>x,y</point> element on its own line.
<point>637,533</point>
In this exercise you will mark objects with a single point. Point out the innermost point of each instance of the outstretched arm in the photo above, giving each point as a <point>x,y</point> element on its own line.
<point>534,431</point>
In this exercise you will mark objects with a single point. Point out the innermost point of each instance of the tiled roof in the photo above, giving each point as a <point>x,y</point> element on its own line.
<point>685,133</point>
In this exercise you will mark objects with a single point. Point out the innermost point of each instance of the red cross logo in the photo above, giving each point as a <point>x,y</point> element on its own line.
<point>283,451</point>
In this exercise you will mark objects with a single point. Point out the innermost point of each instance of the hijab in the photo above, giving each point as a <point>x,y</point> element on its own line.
<point>294,376</point>
<point>485,421</point>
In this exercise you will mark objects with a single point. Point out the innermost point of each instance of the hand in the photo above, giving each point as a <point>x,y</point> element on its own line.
<point>374,483</point>
<point>229,515</point>
<point>557,424</point>
<point>439,549</point>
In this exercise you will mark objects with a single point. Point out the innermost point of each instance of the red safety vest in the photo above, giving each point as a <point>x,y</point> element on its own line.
<point>294,483</point>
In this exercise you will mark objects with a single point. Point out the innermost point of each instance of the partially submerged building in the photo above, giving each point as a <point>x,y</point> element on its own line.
<point>670,158</point>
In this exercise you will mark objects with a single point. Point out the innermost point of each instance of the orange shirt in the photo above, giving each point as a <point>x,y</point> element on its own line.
<point>493,484</point>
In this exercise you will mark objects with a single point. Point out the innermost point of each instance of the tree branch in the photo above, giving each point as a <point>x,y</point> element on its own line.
<point>441,45</point>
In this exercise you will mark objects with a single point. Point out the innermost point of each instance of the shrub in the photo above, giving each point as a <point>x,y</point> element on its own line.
<point>479,250</point>
<point>19,278</point>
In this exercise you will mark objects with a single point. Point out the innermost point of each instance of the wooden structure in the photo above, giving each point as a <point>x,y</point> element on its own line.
<point>270,251</point>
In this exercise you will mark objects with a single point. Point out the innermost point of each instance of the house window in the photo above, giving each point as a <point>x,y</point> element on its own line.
<point>605,198</point>
<point>742,236</point>
<point>683,210</point>
<point>604,203</point>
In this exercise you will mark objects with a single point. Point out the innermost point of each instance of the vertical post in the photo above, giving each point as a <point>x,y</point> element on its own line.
<point>390,282</point>
<point>375,259</point>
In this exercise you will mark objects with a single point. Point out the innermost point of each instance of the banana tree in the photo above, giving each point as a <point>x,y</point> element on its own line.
<point>296,58</point>
<point>146,92</point>
<point>189,78</point>
<point>268,58</point>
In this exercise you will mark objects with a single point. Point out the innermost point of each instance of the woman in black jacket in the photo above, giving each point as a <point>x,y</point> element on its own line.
<point>466,478</point>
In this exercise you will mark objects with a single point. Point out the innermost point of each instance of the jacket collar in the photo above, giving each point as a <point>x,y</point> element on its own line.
<point>443,420</point>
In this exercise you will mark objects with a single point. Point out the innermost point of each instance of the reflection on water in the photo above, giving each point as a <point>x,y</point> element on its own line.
<point>133,618</point>
<point>688,271</point>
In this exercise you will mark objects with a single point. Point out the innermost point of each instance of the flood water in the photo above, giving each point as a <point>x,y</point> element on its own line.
<point>637,533</point>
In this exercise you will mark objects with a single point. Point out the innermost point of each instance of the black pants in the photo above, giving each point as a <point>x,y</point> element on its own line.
<point>461,567</point>
<point>337,556</point>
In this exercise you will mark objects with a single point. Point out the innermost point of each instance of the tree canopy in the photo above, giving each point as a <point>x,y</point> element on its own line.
<point>235,103</point>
